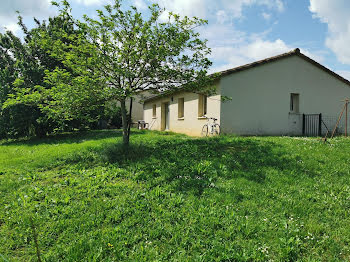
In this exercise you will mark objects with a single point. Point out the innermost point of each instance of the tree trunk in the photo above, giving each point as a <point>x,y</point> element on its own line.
<point>124,123</point>
<point>129,122</point>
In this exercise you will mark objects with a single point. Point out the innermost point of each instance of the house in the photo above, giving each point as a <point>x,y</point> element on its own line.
<point>137,107</point>
<point>288,94</point>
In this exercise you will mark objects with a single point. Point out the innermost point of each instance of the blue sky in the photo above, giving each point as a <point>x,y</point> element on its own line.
<point>239,31</point>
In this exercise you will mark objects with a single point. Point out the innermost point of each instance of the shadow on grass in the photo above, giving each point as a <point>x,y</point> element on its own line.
<point>69,138</point>
<point>193,164</point>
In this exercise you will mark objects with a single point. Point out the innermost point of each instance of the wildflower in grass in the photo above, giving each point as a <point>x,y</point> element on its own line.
<point>264,249</point>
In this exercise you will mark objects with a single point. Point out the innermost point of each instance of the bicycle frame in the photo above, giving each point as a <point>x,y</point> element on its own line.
<point>211,125</point>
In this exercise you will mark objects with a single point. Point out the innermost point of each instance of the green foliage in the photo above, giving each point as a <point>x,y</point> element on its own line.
<point>21,71</point>
<point>117,56</point>
<point>174,198</point>
<point>72,98</point>
<point>113,114</point>
<point>67,70</point>
<point>38,93</point>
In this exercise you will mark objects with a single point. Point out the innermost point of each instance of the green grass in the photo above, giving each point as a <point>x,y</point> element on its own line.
<point>172,197</point>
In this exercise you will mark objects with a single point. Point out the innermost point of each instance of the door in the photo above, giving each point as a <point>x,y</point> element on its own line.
<point>312,124</point>
<point>167,116</point>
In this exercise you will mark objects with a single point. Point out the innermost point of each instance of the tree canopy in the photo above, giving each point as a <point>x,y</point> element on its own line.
<point>32,101</point>
<point>22,66</point>
<point>115,57</point>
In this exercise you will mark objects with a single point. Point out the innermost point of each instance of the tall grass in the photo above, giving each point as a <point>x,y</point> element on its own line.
<point>171,197</point>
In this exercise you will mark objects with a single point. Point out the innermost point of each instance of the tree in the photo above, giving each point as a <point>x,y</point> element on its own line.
<point>124,52</point>
<point>20,67</point>
<point>7,76</point>
<point>31,98</point>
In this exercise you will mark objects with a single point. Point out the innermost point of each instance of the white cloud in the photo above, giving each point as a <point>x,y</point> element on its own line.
<point>232,48</point>
<point>92,2</point>
<point>280,6</point>
<point>203,8</point>
<point>140,4</point>
<point>27,8</point>
<point>15,28</point>
<point>335,14</point>
<point>266,16</point>
<point>345,74</point>
<point>318,56</point>
<point>248,51</point>
<point>261,49</point>
<point>222,17</point>
<point>236,6</point>
<point>185,7</point>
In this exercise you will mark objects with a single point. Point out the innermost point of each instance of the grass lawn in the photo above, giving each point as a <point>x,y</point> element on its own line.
<point>172,197</point>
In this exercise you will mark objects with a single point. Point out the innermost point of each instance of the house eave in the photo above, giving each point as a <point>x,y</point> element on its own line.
<point>295,52</point>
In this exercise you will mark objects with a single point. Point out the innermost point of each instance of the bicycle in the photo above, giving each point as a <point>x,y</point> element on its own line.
<point>211,128</point>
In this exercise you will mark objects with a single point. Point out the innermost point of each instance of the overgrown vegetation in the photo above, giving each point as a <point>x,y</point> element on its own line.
<point>171,197</point>
<point>27,90</point>
<point>81,64</point>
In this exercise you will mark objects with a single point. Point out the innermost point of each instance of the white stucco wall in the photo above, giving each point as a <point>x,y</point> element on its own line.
<point>137,106</point>
<point>260,102</point>
<point>191,124</point>
<point>137,109</point>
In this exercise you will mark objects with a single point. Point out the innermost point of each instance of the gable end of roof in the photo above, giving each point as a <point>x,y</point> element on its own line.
<point>295,52</point>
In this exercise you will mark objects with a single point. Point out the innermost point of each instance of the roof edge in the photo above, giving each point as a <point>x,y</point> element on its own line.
<point>259,62</point>
<point>326,69</point>
<point>294,52</point>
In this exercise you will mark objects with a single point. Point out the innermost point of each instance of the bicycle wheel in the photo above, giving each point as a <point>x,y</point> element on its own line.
<point>216,130</point>
<point>205,130</point>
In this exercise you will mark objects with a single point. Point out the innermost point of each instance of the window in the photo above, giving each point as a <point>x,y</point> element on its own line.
<point>180,109</point>
<point>202,105</point>
<point>294,103</point>
<point>154,113</point>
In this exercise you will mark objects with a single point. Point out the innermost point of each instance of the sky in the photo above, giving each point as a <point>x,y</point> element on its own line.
<point>238,31</point>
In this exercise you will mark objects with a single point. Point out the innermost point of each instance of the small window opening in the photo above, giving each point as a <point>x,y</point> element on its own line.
<point>294,103</point>
<point>154,112</point>
<point>181,104</point>
<point>202,105</point>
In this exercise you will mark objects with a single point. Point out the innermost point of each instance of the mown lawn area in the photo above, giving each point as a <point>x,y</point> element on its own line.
<point>174,198</point>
